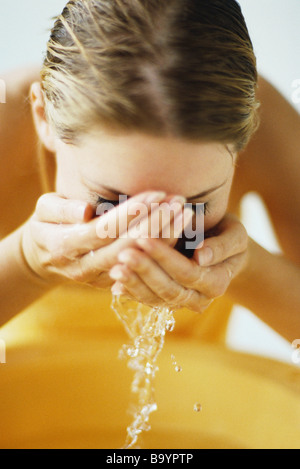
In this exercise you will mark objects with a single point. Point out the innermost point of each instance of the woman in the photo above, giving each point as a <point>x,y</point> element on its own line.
<point>157,99</point>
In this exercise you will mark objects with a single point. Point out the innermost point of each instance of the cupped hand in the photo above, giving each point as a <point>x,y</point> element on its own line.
<point>63,240</point>
<point>154,273</point>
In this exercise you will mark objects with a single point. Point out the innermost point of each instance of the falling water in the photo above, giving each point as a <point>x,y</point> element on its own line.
<point>146,328</point>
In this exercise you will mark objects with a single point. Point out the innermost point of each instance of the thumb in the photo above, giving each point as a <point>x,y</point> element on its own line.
<point>52,208</point>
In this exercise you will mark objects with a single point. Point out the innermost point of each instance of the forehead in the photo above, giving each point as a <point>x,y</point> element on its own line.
<point>136,162</point>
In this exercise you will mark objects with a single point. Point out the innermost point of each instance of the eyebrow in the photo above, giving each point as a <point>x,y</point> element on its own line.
<point>202,194</point>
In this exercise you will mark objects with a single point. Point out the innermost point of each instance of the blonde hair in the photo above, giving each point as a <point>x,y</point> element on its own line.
<point>184,68</point>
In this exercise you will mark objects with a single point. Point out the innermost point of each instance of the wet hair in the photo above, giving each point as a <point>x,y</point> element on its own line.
<point>181,68</point>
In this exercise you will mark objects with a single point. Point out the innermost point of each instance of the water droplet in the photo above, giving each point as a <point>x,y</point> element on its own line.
<point>170,325</point>
<point>149,369</point>
<point>177,367</point>
<point>197,407</point>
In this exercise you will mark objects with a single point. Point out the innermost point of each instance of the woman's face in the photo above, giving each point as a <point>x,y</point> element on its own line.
<point>110,164</point>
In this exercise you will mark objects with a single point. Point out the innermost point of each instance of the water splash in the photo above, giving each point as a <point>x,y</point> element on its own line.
<point>146,328</point>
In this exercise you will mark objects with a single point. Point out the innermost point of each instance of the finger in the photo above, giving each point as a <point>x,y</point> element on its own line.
<point>107,256</point>
<point>70,241</point>
<point>116,221</point>
<point>128,283</point>
<point>112,225</point>
<point>120,290</point>
<point>176,225</point>
<point>211,282</point>
<point>65,242</point>
<point>159,223</point>
<point>102,281</point>
<point>231,240</point>
<point>182,225</point>
<point>181,269</point>
<point>52,208</point>
<point>159,282</point>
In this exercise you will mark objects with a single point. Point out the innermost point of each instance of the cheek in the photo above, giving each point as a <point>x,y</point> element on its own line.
<point>212,221</point>
<point>216,212</point>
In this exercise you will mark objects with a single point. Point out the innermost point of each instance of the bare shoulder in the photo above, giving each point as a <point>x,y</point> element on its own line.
<point>273,149</point>
<point>20,185</point>
<point>270,165</point>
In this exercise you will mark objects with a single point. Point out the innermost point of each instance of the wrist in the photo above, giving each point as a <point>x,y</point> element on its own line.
<point>28,270</point>
<point>19,287</point>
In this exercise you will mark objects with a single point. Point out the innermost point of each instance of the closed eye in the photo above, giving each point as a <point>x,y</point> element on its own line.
<point>206,209</point>
<point>115,203</point>
<point>101,200</point>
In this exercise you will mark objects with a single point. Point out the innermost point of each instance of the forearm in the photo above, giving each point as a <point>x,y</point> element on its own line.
<point>19,286</point>
<point>270,287</point>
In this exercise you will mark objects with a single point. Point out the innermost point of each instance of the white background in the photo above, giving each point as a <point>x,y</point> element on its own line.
<point>275,31</point>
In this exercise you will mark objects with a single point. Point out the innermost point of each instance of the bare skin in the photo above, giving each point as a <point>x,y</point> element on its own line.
<point>250,275</point>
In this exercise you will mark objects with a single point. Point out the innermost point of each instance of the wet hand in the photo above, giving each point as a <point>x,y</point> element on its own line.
<point>154,273</point>
<point>63,241</point>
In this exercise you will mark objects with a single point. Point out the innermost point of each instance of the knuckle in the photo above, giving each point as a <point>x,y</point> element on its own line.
<point>58,259</point>
<point>168,294</point>
<point>143,268</point>
<point>193,278</point>
<point>182,297</point>
<point>159,254</point>
<point>195,302</point>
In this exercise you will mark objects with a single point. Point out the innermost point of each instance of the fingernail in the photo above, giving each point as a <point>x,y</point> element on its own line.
<point>117,274</point>
<point>205,256</point>
<point>127,258</point>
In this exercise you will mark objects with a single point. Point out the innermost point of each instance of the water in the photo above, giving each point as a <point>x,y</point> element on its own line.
<point>197,407</point>
<point>146,328</point>
<point>177,367</point>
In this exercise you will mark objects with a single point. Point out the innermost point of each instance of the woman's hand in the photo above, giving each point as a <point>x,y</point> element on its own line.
<point>62,241</point>
<point>154,273</point>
